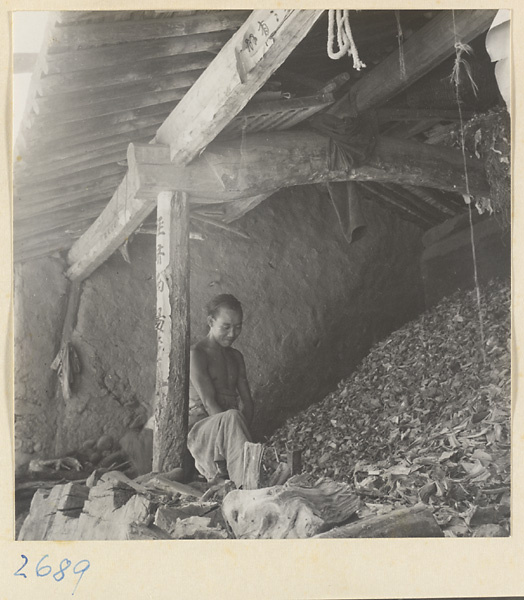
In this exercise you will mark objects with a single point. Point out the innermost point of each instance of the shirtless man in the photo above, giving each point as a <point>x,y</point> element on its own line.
<point>220,404</point>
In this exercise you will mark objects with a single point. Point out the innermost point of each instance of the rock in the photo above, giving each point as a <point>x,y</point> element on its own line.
<point>166,517</point>
<point>294,510</point>
<point>197,528</point>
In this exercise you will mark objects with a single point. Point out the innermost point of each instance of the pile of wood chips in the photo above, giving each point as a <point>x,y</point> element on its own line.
<point>425,417</point>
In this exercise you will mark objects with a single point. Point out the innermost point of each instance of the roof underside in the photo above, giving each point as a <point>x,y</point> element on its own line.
<point>108,78</point>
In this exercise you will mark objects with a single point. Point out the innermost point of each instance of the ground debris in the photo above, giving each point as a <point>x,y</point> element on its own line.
<point>424,418</point>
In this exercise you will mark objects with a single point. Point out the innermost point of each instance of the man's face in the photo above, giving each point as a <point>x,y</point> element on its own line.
<point>225,327</point>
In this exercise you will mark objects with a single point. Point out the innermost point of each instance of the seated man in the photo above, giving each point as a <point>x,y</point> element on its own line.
<point>220,404</point>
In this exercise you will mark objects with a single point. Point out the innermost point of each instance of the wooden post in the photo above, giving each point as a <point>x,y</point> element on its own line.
<point>172,326</point>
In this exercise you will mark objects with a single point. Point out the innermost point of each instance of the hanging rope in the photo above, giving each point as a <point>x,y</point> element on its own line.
<point>400,37</point>
<point>345,42</point>
<point>460,48</point>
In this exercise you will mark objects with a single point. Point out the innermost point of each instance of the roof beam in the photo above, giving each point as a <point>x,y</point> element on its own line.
<point>235,75</point>
<point>265,162</point>
<point>423,51</point>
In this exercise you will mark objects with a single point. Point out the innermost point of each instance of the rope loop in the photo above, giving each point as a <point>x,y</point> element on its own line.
<point>345,42</point>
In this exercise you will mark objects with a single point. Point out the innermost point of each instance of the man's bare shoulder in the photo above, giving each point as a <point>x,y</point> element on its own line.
<point>199,350</point>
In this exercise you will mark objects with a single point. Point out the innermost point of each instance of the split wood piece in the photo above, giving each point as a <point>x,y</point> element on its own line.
<point>172,326</point>
<point>205,113</point>
<point>203,219</point>
<point>173,487</point>
<point>294,461</point>
<point>140,72</point>
<point>417,521</point>
<point>117,94</point>
<point>235,75</point>
<point>91,35</point>
<point>252,461</point>
<point>130,52</point>
<point>280,476</point>
<point>118,477</point>
<point>265,162</point>
<point>431,197</point>
<point>423,51</point>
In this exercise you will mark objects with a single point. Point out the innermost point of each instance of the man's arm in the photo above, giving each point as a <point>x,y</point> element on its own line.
<point>246,402</point>
<point>202,382</point>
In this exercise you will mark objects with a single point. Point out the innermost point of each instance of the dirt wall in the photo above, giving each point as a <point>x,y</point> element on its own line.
<point>313,306</point>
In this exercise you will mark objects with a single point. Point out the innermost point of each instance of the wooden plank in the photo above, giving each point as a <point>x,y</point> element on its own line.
<point>401,206</point>
<point>106,235</point>
<point>48,105</point>
<point>172,326</point>
<point>264,163</point>
<point>252,461</point>
<point>130,52</point>
<point>120,218</point>
<point>236,74</point>
<point>423,51</point>
<point>428,213</point>
<point>432,199</point>
<point>385,115</point>
<point>89,35</point>
<point>104,76</point>
<point>23,210</point>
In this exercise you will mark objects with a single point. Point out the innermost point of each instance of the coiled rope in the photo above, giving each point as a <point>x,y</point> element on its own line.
<point>338,20</point>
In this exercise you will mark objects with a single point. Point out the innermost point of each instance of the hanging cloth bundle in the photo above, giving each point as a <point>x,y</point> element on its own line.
<point>346,44</point>
<point>67,365</point>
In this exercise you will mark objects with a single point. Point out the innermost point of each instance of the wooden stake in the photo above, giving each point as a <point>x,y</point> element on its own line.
<point>172,326</point>
<point>252,460</point>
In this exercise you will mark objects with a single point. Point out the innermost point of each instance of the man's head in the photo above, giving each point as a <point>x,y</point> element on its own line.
<point>224,317</point>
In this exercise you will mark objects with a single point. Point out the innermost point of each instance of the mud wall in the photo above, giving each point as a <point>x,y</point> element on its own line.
<point>313,306</point>
<point>40,293</point>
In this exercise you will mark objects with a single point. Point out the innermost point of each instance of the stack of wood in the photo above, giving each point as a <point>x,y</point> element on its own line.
<point>424,418</point>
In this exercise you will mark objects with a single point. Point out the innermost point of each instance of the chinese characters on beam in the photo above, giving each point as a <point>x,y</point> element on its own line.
<point>172,329</point>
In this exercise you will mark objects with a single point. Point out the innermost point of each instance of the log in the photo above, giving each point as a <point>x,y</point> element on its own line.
<point>423,51</point>
<point>130,52</point>
<point>240,69</point>
<point>252,461</point>
<point>91,35</point>
<point>417,521</point>
<point>173,487</point>
<point>265,162</point>
<point>172,326</point>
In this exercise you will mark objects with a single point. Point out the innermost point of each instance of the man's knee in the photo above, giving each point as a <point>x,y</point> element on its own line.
<point>234,414</point>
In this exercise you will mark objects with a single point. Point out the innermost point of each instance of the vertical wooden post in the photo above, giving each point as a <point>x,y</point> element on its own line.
<point>172,326</point>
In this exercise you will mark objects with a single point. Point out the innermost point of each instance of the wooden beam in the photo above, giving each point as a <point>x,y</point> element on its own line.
<point>172,326</point>
<point>92,35</point>
<point>380,193</point>
<point>117,94</point>
<point>265,162</point>
<point>130,52</point>
<point>202,121</point>
<point>241,68</point>
<point>385,115</point>
<point>123,214</point>
<point>24,210</point>
<point>423,51</point>
<point>428,213</point>
<point>432,199</point>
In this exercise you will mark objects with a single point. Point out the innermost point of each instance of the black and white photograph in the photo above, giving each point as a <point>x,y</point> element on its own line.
<point>262,275</point>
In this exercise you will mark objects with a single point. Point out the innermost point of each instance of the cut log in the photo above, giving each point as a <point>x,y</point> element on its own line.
<point>265,162</point>
<point>252,461</point>
<point>243,65</point>
<point>423,51</point>
<point>294,510</point>
<point>173,487</point>
<point>172,326</point>
<point>404,522</point>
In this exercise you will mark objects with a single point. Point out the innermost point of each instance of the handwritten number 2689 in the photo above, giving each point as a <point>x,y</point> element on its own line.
<point>42,570</point>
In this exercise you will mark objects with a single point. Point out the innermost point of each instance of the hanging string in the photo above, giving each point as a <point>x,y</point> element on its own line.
<point>460,49</point>
<point>400,37</point>
<point>345,41</point>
